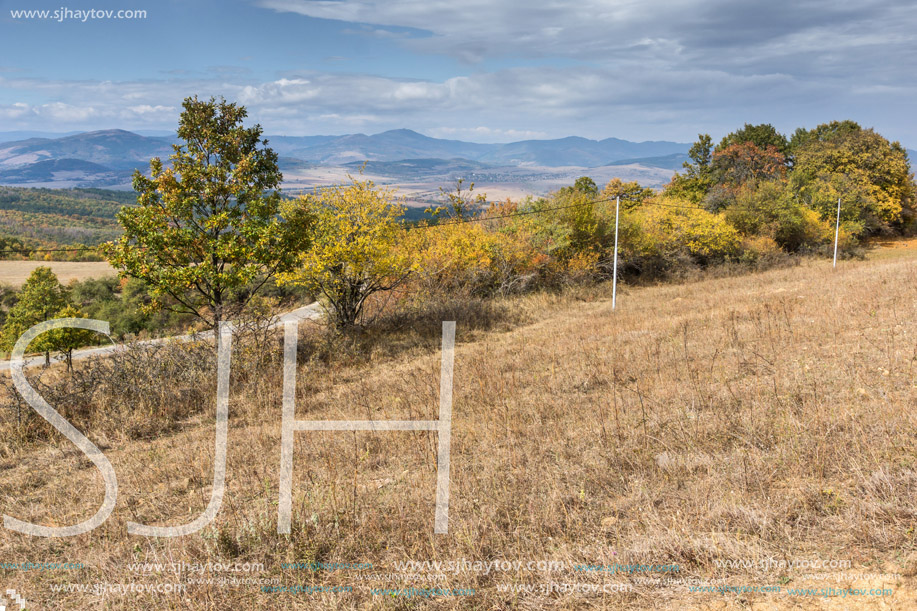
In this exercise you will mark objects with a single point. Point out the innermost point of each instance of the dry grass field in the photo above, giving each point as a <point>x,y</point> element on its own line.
<point>15,273</point>
<point>750,430</point>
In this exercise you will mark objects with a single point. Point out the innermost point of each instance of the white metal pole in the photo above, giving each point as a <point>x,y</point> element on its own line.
<point>614,282</point>
<point>837,230</point>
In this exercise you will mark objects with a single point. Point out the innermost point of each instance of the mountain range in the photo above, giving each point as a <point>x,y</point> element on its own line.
<point>108,157</point>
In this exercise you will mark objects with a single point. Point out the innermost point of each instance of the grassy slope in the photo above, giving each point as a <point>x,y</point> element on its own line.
<point>726,419</point>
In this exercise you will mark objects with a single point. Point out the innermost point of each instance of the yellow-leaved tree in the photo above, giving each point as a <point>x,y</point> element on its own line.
<point>354,252</point>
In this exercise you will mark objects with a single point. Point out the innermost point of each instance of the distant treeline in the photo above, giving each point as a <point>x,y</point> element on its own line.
<point>93,203</point>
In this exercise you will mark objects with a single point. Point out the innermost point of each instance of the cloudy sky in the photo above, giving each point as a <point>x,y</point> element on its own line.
<point>482,70</point>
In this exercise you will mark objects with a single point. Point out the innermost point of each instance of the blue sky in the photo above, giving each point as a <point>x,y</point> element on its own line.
<point>482,70</point>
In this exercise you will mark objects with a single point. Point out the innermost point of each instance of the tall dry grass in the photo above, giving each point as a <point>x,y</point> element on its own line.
<point>764,416</point>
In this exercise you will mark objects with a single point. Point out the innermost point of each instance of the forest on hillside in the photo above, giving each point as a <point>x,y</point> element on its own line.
<point>40,219</point>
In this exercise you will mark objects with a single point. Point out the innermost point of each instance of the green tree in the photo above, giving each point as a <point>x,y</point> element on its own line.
<point>8,297</point>
<point>206,232</point>
<point>124,303</point>
<point>823,133</point>
<point>696,180</point>
<point>65,340</point>
<point>10,247</point>
<point>768,209</point>
<point>577,212</point>
<point>42,298</point>
<point>586,185</point>
<point>354,252</point>
<point>700,154</point>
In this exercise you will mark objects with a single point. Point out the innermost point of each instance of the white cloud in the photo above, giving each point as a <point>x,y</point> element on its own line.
<point>485,134</point>
<point>357,121</point>
<point>58,111</point>
<point>19,110</point>
<point>678,32</point>
<point>523,102</point>
<point>542,68</point>
<point>629,99</point>
<point>146,109</point>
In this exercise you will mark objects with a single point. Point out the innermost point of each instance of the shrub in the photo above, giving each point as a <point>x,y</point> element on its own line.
<point>354,252</point>
<point>450,258</point>
<point>771,211</point>
<point>675,231</point>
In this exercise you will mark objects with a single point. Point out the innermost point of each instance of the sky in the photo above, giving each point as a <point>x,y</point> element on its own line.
<point>479,70</point>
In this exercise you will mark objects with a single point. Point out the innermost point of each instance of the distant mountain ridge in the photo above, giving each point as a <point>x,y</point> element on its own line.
<point>15,136</point>
<point>113,148</point>
<point>107,157</point>
<point>401,144</point>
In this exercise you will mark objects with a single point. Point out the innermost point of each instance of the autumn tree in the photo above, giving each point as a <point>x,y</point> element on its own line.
<point>205,234</point>
<point>870,175</point>
<point>762,136</point>
<point>739,164</point>
<point>354,253</point>
<point>632,194</point>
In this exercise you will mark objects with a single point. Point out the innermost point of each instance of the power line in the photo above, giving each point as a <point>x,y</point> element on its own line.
<point>484,219</point>
<point>642,203</point>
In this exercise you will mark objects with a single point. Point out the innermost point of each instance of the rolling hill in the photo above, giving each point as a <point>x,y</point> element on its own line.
<point>63,170</point>
<point>667,162</point>
<point>113,148</point>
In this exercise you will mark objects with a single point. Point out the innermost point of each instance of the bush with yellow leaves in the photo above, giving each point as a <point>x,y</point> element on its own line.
<point>355,249</point>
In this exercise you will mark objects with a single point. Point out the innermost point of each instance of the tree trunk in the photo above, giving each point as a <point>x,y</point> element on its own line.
<point>217,312</point>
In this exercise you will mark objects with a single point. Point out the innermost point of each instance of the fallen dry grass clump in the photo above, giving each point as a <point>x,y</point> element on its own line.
<point>707,425</point>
